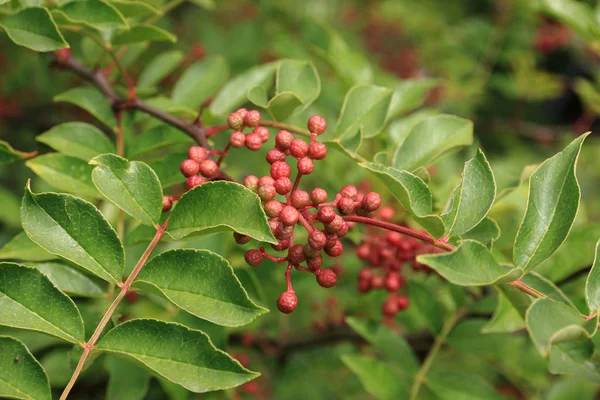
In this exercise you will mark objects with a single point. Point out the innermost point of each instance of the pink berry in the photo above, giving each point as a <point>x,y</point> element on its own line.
<point>267,192</point>
<point>317,124</point>
<point>262,132</point>
<point>326,214</point>
<point>349,191</point>
<point>299,199</point>
<point>208,168</point>
<point>365,273</point>
<point>167,203</point>
<point>305,166</point>
<point>241,239</point>
<point>235,121</point>
<point>253,141</point>
<point>281,245</point>
<point>283,232</point>
<point>251,182</point>
<point>317,151</point>
<point>189,168</point>
<point>237,139</point>
<point>289,215</point>
<point>317,239</point>
<point>371,201</point>
<point>266,180</point>
<point>318,196</point>
<point>197,153</point>
<point>275,155</point>
<point>194,181</point>
<point>273,208</point>
<point>253,257</point>
<point>386,213</point>
<point>335,250</point>
<point>345,206</point>
<point>336,225</point>
<point>392,282</point>
<point>326,278</point>
<point>283,185</point>
<point>377,281</point>
<point>296,254</point>
<point>252,119</point>
<point>287,302</point>
<point>283,140</point>
<point>280,169</point>
<point>315,263</point>
<point>241,112</point>
<point>364,285</point>
<point>309,252</point>
<point>403,302</point>
<point>298,148</point>
<point>390,308</point>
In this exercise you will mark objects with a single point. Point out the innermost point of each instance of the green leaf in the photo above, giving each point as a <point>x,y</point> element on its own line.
<point>280,107</point>
<point>135,8</point>
<point>472,198</point>
<point>167,169</point>
<point>91,100</point>
<point>56,364</point>
<point>431,138</point>
<point>300,78</point>
<point>29,300</point>
<point>571,387</point>
<point>35,29</point>
<point>200,81</point>
<point>73,229</point>
<point>161,66</point>
<point>70,281</point>
<point>486,232</point>
<point>592,283</point>
<point>234,93</point>
<point>410,95</point>
<point>427,306</point>
<point>94,13</point>
<point>21,375</point>
<point>575,14</point>
<point>157,137</point>
<point>9,212</point>
<point>365,110</point>
<point>506,317</point>
<point>471,264</point>
<point>77,139</point>
<point>142,33</point>
<point>126,380</point>
<point>22,248</point>
<point>550,322</point>
<point>574,359</point>
<point>391,345</point>
<point>9,155</point>
<point>351,66</point>
<point>219,206</point>
<point>377,377</point>
<point>65,173</point>
<point>201,283</point>
<point>182,355</point>
<point>551,208</point>
<point>459,385</point>
<point>131,185</point>
<point>412,193</point>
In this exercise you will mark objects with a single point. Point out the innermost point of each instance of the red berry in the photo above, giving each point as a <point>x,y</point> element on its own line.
<point>305,166</point>
<point>253,141</point>
<point>392,282</point>
<point>273,208</point>
<point>336,250</point>
<point>318,196</point>
<point>314,263</point>
<point>317,239</point>
<point>296,254</point>
<point>387,213</point>
<point>309,252</point>
<point>241,239</point>
<point>266,180</point>
<point>326,278</point>
<point>189,168</point>
<point>363,251</point>
<point>287,302</point>
<point>283,140</point>
<point>326,214</point>
<point>251,182</point>
<point>289,215</point>
<point>345,205</point>
<point>197,153</point>
<point>281,245</point>
<point>364,285</point>
<point>194,181</point>
<point>403,302</point>
<point>390,308</point>
<point>394,238</point>
<point>317,151</point>
<point>208,168</point>
<point>298,148</point>
<point>262,132</point>
<point>377,281</point>
<point>131,297</point>
<point>267,192</point>
<point>317,124</point>
<point>275,155</point>
<point>252,119</point>
<point>365,273</point>
<point>299,199</point>
<point>280,169</point>
<point>283,185</point>
<point>237,139</point>
<point>167,203</point>
<point>273,224</point>
<point>349,191</point>
<point>371,201</point>
<point>336,225</point>
<point>235,121</point>
<point>253,257</point>
<point>283,232</point>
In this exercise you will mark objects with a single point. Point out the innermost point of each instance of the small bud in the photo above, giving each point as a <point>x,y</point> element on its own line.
<point>298,148</point>
<point>262,132</point>
<point>283,140</point>
<point>253,257</point>
<point>317,239</point>
<point>326,278</point>
<point>296,254</point>
<point>266,180</point>
<point>194,181</point>
<point>235,121</point>
<point>317,151</point>
<point>251,182</point>
<point>189,168</point>
<point>371,201</point>
<point>267,192</point>
<point>305,166</point>
<point>167,203</point>
<point>364,285</point>
<point>197,153</point>
<point>387,213</point>
<point>326,214</point>
<point>280,169</point>
<point>349,191</point>
<point>392,282</point>
<point>314,264</point>
<point>241,112</point>
<point>283,185</point>
<point>403,302</point>
<point>318,196</point>
<point>253,141</point>
<point>317,124</point>
<point>275,155</point>
<point>241,239</point>
<point>299,199</point>
<point>208,168</point>
<point>345,206</point>
<point>335,226</point>
<point>273,208</point>
<point>289,215</point>
<point>287,302</point>
<point>309,252</point>
<point>336,250</point>
<point>237,139</point>
<point>252,119</point>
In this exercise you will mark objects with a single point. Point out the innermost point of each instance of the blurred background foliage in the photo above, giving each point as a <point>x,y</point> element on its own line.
<point>526,73</point>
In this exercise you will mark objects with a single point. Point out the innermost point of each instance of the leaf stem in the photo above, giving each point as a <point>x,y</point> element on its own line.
<point>287,127</point>
<point>527,289</point>
<point>440,340</point>
<point>125,287</point>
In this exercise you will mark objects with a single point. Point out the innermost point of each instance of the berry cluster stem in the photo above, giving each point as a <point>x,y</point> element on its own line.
<point>287,127</point>
<point>125,288</point>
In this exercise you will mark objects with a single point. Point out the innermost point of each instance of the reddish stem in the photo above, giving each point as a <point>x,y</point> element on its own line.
<point>305,223</point>
<point>213,130</point>
<point>288,278</point>
<point>270,257</point>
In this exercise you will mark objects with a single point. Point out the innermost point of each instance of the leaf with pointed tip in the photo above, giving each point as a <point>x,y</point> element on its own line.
<point>65,173</point>
<point>471,264</point>
<point>9,155</point>
<point>485,232</point>
<point>21,375</point>
<point>412,193</point>
<point>574,359</point>
<point>365,109</point>
<point>77,139</point>
<point>472,198</point>
<point>459,385</point>
<point>73,229</point>
<point>135,8</point>
<point>182,355</point>
<point>431,138</point>
<point>131,185</point>
<point>92,101</point>
<point>280,107</point>
<point>200,81</point>
<point>70,281</point>
<point>158,68</point>
<point>378,378</point>
<point>592,284</point>
<point>157,137</point>
<point>94,13</point>
<point>142,33</point>
<point>126,380</point>
<point>29,300</point>
<point>551,208</point>
<point>219,206</point>
<point>391,345</point>
<point>35,29</point>
<point>201,283</point>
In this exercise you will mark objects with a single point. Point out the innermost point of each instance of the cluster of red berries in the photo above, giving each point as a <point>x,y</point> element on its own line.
<point>385,255</point>
<point>295,206</point>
